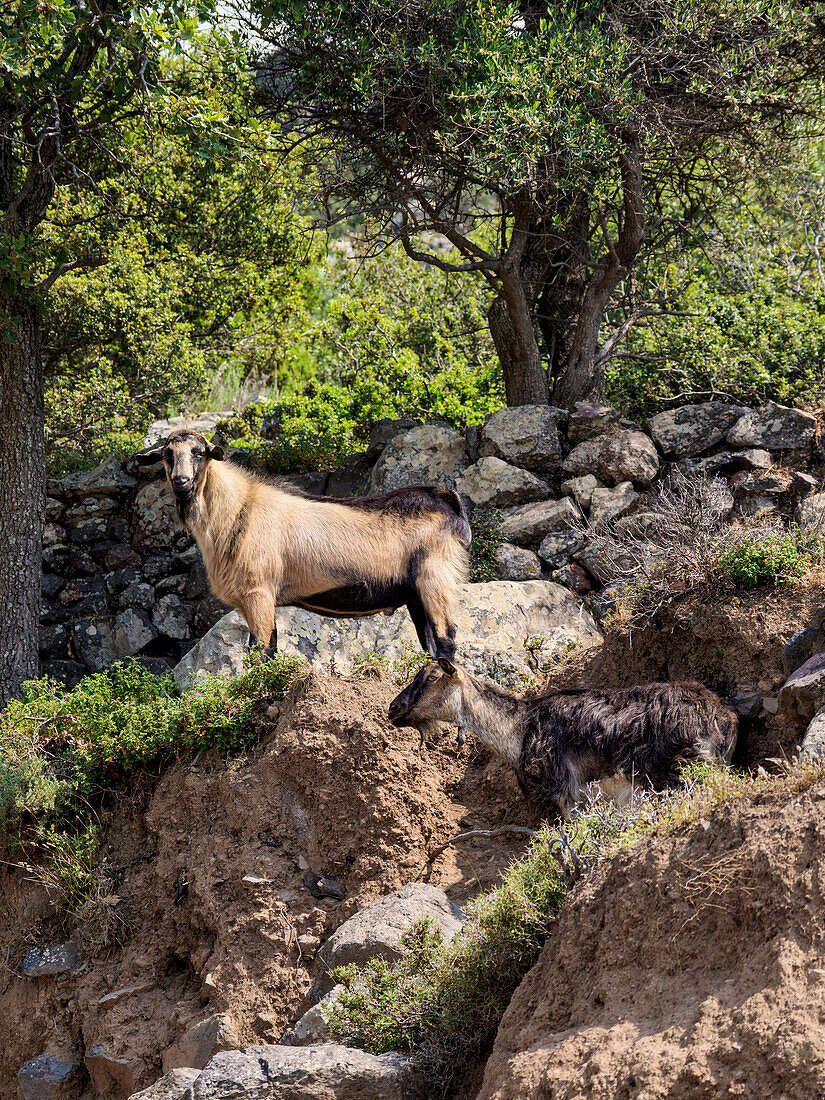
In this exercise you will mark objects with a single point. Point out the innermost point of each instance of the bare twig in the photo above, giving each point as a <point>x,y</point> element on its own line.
<point>519,829</point>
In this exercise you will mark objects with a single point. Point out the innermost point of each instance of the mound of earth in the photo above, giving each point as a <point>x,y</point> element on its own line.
<point>691,967</point>
<point>208,896</point>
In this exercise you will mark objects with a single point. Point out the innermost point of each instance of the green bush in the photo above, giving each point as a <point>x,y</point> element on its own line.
<point>485,524</point>
<point>777,559</point>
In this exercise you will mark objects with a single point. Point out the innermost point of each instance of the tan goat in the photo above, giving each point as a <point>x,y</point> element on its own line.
<point>266,544</point>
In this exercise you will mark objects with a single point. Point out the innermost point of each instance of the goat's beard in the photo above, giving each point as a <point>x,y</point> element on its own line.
<point>187,510</point>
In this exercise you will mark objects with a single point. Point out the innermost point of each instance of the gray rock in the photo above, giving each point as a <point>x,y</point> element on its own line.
<point>615,456</point>
<point>580,489</point>
<point>132,631</point>
<point>386,429</point>
<point>760,484</point>
<point>177,584</point>
<point>313,1026</point>
<point>107,479</point>
<point>575,578</point>
<point>53,535</point>
<point>202,1042</point>
<point>111,1077</point>
<point>208,612</point>
<point>325,1072</point>
<point>812,748</point>
<point>589,419</point>
<point>56,636</point>
<point>89,531</point>
<point>205,423</point>
<point>48,1077</point>
<point>804,484</point>
<point>607,505</point>
<point>748,705</point>
<point>489,617</point>
<point>692,429</point>
<point>351,478</point>
<point>517,564</point>
<point>529,524</point>
<point>493,482</point>
<point>90,508</point>
<point>175,1085</point>
<point>154,515</point>
<point>80,588</point>
<point>774,427</point>
<point>527,435</point>
<point>94,643</point>
<point>138,594</point>
<point>811,513</point>
<point>798,648</point>
<point>727,462</point>
<point>559,546</point>
<point>173,618</point>
<point>54,509</point>
<point>50,585</point>
<point>121,557</point>
<point>803,693</point>
<point>376,931</point>
<point>430,455</point>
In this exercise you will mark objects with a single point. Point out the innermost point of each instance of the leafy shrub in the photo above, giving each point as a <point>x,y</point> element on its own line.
<point>776,559</point>
<point>485,524</point>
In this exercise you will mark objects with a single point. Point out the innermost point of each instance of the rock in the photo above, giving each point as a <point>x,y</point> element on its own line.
<point>575,578</point>
<point>69,673</point>
<point>580,489</point>
<point>799,648</point>
<point>90,508</point>
<point>615,456</point>
<point>589,419</point>
<point>133,631</point>
<point>313,1026</point>
<point>50,585</point>
<point>375,932</point>
<point>175,1085</point>
<point>726,462</point>
<point>517,564</point>
<point>803,693</point>
<point>54,958</point>
<point>53,535</point>
<point>107,479</point>
<point>760,484</point>
<point>351,478</point>
<point>607,505</point>
<point>692,429</point>
<point>138,594</point>
<point>48,1077</point>
<point>54,637</point>
<point>121,557</point>
<point>110,1076</point>
<point>430,455</point>
<point>89,531</point>
<point>54,509</point>
<point>774,427</point>
<point>812,748</point>
<point>208,612</point>
<point>94,643</point>
<point>68,561</point>
<point>748,705</point>
<point>177,585</point>
<point>201,1043</point>
<point>154,516</point>
<point>156,567</point>
<point>493,482</point>
<point>489,617</point>
<point>79,589</point>
<point>527,435</point>
<point>324,1072</point>
<point>386,429</point>
<point>322,887</point>
<point>804,484</point>
<point>559,546</point>
<point>529,524</point>
<point>810,514</point>
<point>173,618</point>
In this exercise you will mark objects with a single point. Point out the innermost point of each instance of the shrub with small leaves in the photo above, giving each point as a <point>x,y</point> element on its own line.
<point>485,524</point>
<point>781,558</point>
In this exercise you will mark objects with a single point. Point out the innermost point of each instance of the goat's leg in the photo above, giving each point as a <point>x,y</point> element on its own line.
<point>259,611</point>
<point>419,621</point>
<point>439,629</point>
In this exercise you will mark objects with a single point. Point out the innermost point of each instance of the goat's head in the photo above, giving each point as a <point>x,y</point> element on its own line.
<point>185,455</point>
<point>433,696</point>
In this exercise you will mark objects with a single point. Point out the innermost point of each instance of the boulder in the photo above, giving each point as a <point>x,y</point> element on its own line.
<point>351,477</point>
<point>774,427</point>
<point>107,479</point>
<point>386,429</point>
<point>173,618</point>
<point>201,1043</point>
<point>155,517</point>
<point>615,456</point>
<point>527,435</point>
<point>559,546</point>
<point>375,932</point>
<point>491,621</point>
<point>53,535</point>
<point>726,462</point>
<point>132,631</point>
<point>798,648</point>
<point>433,454</point>
<point>803,693</point>
<point>90,508</point>
<point>175,1085</point>
<point>495,483</point>
<point>138,594</point>
<point>79,588</point>
<point>580,489</point>
<point>111,1077</point>
<point>313,1026</point>
<point>811,513</point>
<point>804,484</point>
<point>324,1072</point>
<point>94,643</point>
<point>812,748</point>
<point>759,492</point>
<point>607,505</point>
<point>48,1077</point>
<point>517,564</point>
<point>692,429</point>
<point>89,531</point>
<point>529,524</point>
<point>589,419</point>
<point>575,578</point>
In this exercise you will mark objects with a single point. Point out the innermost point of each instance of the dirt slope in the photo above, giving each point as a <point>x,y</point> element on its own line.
<point>331,786</point>
<point>691,968</point>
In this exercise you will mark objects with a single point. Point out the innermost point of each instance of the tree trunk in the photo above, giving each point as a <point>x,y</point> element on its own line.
<point>582,378</point>
<point>22,491</point>
<point>511,326</point>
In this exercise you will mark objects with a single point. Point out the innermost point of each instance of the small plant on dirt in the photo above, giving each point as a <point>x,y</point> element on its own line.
<point>774,560</point>
<point>370,666</point>
<point>485,524</point>
<point>407,665</point>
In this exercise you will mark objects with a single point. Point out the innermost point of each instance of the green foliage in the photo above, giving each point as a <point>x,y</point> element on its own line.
<point>485,524</point>
<point>776,560</point>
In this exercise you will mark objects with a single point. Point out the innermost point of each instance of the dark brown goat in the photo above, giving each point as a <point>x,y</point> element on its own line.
<point>558,742</point>
<point>266,545</point>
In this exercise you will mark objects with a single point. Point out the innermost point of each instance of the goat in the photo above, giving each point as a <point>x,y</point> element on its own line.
<point>267,544</point>
<point>559,741</point>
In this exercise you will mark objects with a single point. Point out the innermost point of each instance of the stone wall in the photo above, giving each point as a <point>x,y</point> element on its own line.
<point>120,581</point>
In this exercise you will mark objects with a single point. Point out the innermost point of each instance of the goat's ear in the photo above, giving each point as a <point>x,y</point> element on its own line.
<point>213,450</point>
<point>149,458</point>
<point>447,666</point>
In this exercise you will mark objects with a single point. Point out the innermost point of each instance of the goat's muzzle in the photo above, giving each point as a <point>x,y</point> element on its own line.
<point>397,714</point>
<point>183,487</point>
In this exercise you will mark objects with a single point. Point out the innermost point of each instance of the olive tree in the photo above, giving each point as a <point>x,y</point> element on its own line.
<point>552,145</point>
